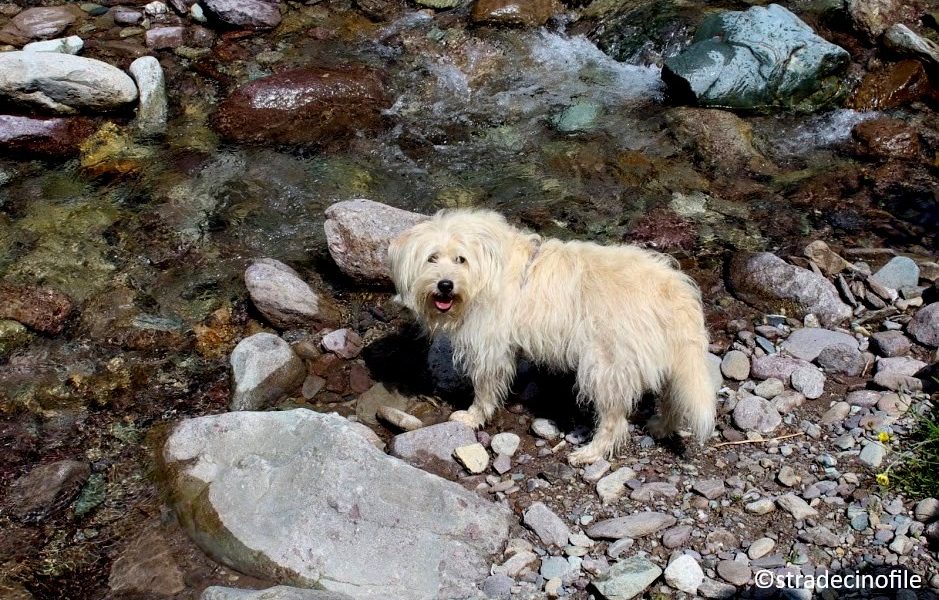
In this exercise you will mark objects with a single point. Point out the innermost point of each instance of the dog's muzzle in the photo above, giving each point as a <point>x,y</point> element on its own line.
<point>443,297</point>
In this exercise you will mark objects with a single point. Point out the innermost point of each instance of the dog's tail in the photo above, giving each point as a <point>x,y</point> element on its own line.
<point>691,393</point>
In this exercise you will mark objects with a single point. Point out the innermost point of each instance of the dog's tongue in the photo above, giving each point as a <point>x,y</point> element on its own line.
<point>443,305</point>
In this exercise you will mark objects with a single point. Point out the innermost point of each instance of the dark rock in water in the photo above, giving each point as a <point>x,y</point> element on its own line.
<point>892,86</point>
<point>304,107</point>
<point>46,489</point>
<point>146,566</point>
<point>39,23</point>
<point>662,229</point>
<point>771,284</point>
<point>720,139</point>
<point>757,59</point>
<point>47,138</point>
<point>382,10</point>
<point>515,12</point>
<point>886,138</point>
<point>644,31</point>
<point>160,38</point>
<point>42,309</point>
<point>245,13</point>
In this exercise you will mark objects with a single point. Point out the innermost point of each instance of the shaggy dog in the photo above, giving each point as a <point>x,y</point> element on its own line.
<point>623,318</point>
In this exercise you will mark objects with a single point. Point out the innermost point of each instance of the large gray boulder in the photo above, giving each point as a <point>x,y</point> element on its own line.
<point>762,57</point>
<point>358,233</point>
<point>771,284</point>
<point>300,498</point>
<point>63,83</point>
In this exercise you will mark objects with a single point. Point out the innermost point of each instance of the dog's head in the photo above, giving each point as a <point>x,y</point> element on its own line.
<point>442,265</point>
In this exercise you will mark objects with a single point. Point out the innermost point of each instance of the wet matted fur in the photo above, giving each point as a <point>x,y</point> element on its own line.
<point>625,319</point>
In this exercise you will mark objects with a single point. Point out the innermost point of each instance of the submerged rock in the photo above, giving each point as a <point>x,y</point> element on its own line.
<point>720,139</point>
<point>763,57</point>
<point>299,498</point>
<point>42,309</point>
<point>46,489</point>
<point>769,283</point>
<point>515,12</point>
<point>304,107</point>
<point>152,109</point>
<point>358,233</point>
<point>38,23</point>
<point>54,137</point>
<point>63,83</point>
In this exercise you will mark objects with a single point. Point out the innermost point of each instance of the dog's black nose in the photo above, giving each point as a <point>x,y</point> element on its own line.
<point>445,286</point>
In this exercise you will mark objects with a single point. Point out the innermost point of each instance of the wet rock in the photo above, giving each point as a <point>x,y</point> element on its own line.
<point>54,137</point>
<point>720,139</point>
<point>112,151</point>
<point>124,15</point>
<point>162,38</point>
<point>807,343</point>
<point>264,367</point>
<point>13,335</point>
<point>46,489</point>
<point>343,342</point>
<point>334,488</point>
<point>736,365</point>
<point>310,106</point>
<point>245,13</point>
<point>776,366</point>
<point>636,525</point>
<point>904,40</point>
<point>40,308</point>
<point>358,233</point>
<point>662,229</point>
<point>146,566</point>
<point>891,343</point>
<point>69,45</point>
<point>627,578</point>
<point>529,13</point>
<point>285,300</point>
<point>38,23</point>
<point>152,108</point>
<point>884,137</point>
<point>400,419</point>
<point>549,527</point>
<point>13,591</point>
<point>756,414</point>
<point>63,83</point>
<point>872,17</point>
<point>431,448</point>
<point>473,457</point>
<point>280,592</point>
<point>769,283</point>
<point>797,507</point>
<point>893,86</point>
<point>924,327</point>
<point>762,57</point>
<point>440,3</point>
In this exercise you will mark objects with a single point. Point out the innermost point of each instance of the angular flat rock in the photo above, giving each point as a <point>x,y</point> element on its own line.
<point>807,343</point>
<point>280,592</point>
<point>299,498</point>
<point>263,368</point>
<point>627,578</point>
<point>431,448</point>
<point>635,525</point>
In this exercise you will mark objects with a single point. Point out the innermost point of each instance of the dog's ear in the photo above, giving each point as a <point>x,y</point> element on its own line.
<point>401,265</point>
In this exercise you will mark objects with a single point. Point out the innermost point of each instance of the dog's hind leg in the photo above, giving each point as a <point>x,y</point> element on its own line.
<point>689,399</point>
<point>614,395</point>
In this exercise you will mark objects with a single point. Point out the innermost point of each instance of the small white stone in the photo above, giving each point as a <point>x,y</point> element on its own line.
<point>545,429</point>
<point>68,45</point>
<point>684,574</point>
<point>505,443</point>
<point>474,457</point>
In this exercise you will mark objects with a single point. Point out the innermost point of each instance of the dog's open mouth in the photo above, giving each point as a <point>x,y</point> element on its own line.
<point>443,303</point>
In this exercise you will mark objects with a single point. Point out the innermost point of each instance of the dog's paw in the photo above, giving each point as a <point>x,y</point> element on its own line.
<point>589,454</point>
<point>467,418</point>
<point>659,427</point>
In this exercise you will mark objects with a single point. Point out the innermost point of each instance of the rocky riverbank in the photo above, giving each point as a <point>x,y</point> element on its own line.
<point>205,384</point>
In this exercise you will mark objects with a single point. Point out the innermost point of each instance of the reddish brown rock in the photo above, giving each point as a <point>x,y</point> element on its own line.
<point>161,38</point>
<point>515,12</point>
<point>39,23</point>
<point>46,489</point>
<point>894,85</point>
<point>886,138</point>
<point>52,138</point>
<point>43,309</point>
<point>662,229</point>
<point>304,107</point>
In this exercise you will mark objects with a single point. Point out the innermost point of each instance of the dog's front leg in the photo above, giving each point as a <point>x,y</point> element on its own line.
<point>491,380</point>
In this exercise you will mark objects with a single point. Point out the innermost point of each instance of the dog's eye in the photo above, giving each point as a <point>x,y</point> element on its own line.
<point>460,260</point>
<point>432,258</point>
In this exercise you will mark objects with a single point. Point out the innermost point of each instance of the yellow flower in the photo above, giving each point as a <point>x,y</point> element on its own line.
<point>883,436</point>
<point>883,479</point>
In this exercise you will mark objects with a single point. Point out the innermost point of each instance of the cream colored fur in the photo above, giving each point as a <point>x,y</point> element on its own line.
<point>623,318</point>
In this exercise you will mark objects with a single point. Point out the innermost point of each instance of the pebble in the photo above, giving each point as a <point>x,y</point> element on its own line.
<point>809,381</point>
<point>627,578</point>
<point>761,548</point>
<point>797,507</point>
<point>343,342</point>
<point>264,367</point>
<point>756,414</point>
<point>807,343</point>
<point>925,325</point>
<point>769,388</point>
<point>735,365</point>
<point>67,45</point>
<point>151,121</point>
<point>788,477</point>
<point>711,588</point>
<point>431,448</point>
<point>712,489</point>
<point>760,507</point>
<point>595,471</point>
<point>676,537</point>
<point>545,429</point>
<point>502,464</point>
<point>891,343</point>
<point>505,443</point>
<point>656,490</point>
<point>636,525</point>
<point>684,574</point>
<point>873,454</point>
<point>898,273</point>
<point>497,587</point>
<point>552,587</point>
<point>926,510</point>
<point>546,525</point>
<point>613,486</point>
<point>863,398</point>
<point>554,566</point>
<point>734,572</point>
<point>399,418</point>
<point>836,414</point>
